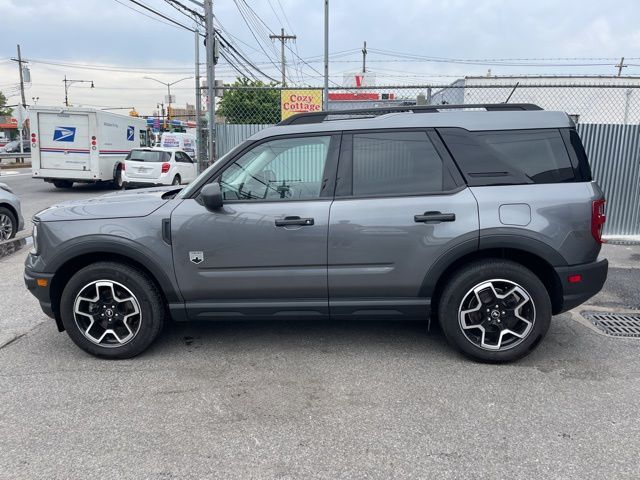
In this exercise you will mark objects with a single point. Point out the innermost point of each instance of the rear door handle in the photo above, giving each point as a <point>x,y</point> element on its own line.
<point>289,221</point>
<point>435,217</point>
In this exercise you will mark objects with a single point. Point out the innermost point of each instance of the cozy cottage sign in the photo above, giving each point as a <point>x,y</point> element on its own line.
<point>299,101</point>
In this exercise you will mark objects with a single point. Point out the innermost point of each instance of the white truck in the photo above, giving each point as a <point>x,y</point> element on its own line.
<point>182,141</point>
<point>76,144</point>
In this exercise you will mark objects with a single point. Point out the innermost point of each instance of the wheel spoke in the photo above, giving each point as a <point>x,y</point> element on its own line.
<point>107,313</point>
<point>494,315</point>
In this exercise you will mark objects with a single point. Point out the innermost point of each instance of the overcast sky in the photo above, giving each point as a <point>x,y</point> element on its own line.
<point>119,46</point>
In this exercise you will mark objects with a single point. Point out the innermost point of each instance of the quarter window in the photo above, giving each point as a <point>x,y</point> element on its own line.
<point>286,169</point>
<point>395,163</point>
<point>510,156</point>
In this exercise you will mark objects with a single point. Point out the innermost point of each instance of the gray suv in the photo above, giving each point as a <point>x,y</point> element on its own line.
<point>484,218</point>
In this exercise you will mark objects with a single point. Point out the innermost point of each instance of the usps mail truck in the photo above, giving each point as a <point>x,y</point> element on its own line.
<point>84,145</point>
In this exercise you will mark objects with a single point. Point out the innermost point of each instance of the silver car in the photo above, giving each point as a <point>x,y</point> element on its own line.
<point>11,221</point>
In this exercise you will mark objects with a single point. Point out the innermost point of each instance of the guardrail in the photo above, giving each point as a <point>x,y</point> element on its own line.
<point>15,155</point>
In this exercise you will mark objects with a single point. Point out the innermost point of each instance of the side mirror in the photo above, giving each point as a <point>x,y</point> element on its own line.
<point>212,196</point>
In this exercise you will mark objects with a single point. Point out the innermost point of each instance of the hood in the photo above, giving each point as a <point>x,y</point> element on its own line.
<point>125,204</point>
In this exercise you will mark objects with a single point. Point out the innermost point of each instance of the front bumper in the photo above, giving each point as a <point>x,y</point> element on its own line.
<point>592,278</point>
<point>42,293</point>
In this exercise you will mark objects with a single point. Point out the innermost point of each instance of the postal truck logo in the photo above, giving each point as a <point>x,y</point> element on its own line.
<point>130,133</point>
<point>64,134</point>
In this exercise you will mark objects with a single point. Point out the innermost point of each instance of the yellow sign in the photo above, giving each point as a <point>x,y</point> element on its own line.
<point>299,101</point>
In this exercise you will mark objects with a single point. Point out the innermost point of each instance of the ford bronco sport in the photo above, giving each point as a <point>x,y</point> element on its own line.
<point>484,217</point>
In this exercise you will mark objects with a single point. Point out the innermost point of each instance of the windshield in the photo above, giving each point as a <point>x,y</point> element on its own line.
<point>148,156</point>
<point>194,185</point>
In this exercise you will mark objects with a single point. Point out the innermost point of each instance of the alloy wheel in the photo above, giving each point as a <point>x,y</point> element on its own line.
<point>107,313</point>
<point>497,314</point>
<point>6,227</point>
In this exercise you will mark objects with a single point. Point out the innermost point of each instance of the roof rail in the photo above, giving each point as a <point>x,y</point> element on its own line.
<point>319,117</point>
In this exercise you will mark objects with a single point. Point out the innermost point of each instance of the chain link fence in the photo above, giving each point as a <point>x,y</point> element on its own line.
<point>617,103</point>
<point>607,116</point>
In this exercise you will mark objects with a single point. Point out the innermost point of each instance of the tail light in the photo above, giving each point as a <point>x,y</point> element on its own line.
<point>165,167</point>
<point>597,219</point>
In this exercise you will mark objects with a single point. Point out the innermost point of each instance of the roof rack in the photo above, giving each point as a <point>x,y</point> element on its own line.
<point>319,117</point>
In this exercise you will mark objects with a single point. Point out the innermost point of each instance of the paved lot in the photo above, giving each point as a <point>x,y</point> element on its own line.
<point>315,399</point>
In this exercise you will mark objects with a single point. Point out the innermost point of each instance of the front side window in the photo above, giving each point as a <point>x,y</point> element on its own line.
<point>285,169</point>
<point>395,163</point>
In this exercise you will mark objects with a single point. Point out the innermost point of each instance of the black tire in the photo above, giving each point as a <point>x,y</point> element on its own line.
<point>8,224</point>
<point>176,180</point>
<point>151,306</point>
<point>62,183</point>
<point>502,273</point>
<point>117,182</point>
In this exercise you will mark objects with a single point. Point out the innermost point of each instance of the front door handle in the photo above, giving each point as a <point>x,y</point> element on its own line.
<point>289,221</point>
<point>435,217</point>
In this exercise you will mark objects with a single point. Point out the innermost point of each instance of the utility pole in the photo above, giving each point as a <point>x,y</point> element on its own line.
<point>364,58</point>
<point>20,67</point>
<point>211,79</point>
<point>24,102</point>
<point>283,38</point>
<point>325,92</point>
<point>199,145</point>
<point>620,66</point>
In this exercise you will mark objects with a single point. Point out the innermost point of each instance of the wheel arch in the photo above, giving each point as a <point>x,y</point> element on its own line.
<point>68,264</point>
<point>446,266</point>
<point>12,210</point>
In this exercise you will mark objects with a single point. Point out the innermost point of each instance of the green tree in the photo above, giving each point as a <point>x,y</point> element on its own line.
<point>4,112</point>
<point>250,105</point>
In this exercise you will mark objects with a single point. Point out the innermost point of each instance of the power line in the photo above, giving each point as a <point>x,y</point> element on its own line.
<point>145,14</point>
<point>161,15</point>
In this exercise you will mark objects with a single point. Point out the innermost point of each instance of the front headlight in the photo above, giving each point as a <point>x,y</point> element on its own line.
<point>34,235</point>
<point>5,187</point>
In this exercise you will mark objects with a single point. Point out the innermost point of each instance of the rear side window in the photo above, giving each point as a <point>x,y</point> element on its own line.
<point>510,156</point>
<point>395,163</point>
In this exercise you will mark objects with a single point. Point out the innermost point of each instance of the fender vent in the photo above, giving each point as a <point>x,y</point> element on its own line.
<point>615,324</point>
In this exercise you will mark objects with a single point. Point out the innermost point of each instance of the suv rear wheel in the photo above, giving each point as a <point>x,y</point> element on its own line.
<point>112,310</point>
<point>495,311</point>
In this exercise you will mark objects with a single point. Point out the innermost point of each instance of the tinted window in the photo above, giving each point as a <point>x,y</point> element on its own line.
<point>510,156</point>
<point>287,169</point>
<point>395,163</point>
<point>148,156</point>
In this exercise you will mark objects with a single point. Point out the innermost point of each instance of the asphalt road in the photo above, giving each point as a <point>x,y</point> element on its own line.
<point>327,400</point>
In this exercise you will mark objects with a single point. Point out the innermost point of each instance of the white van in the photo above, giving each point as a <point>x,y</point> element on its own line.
<point>181,141</point>
<point>74,144</point>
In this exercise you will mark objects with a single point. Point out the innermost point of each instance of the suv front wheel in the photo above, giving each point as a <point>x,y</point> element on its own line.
<point>495,310</point>
<point>112,310</point>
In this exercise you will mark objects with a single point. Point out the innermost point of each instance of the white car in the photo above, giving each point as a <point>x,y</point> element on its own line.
<point>158,166</point>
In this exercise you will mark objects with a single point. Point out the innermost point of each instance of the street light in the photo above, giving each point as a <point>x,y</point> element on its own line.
<point>168,85</point>
<point>68,83</point>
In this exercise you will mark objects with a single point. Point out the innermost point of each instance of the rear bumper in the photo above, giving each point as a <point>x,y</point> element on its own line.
<point>593,275</point>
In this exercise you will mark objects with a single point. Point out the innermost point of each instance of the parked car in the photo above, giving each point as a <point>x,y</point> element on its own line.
<point>158,166</point>
<point>485,221</point>
<point>14,147</point>
<point>11,221</point>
